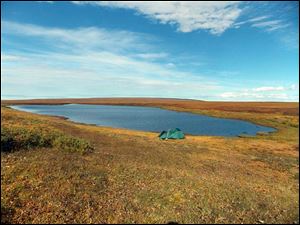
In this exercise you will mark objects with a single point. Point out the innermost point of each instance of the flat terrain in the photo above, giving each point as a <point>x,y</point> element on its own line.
<point>287,108</point>
<point>133,177</point>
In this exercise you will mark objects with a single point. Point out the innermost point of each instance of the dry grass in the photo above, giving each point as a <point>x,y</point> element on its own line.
<point>133,177</point>
<point>287,108</point>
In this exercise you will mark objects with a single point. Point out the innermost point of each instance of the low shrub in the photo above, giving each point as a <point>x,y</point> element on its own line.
<point>7,140</point>
<point>72,144</point>
<point>22,137</point>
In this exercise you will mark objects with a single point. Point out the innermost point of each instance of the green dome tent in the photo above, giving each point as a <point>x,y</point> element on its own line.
<point>171,134</point>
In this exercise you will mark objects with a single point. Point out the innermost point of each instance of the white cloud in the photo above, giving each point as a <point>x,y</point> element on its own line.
<point>291,40</point>
<point>228,95</point>
<point>6,57</point>
<point>271,25</point>
<point>83,38</point>
<point>171,65</point>
<point>259,18</point>
<point>152,55</point>
<point>294,87</point>
<point>78,69</point>
<point>78,46</point>
<point>45,2</point>
<point>107,63</point>
<point>254,19</point>
<point>246,95</point>
<point>261,89</point>
<point>264,22</point>
<point>213,16</point>
<point>278,93</point>
<point>95,78</point>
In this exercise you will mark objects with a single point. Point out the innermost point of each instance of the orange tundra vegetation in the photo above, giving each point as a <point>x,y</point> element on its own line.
<point>124,176</point>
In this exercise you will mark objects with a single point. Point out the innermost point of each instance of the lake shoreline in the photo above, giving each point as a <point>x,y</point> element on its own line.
<point>287,108</point>
<point>144,118</point>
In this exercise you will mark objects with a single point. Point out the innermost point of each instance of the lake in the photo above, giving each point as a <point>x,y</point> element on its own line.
<point>147,119</point>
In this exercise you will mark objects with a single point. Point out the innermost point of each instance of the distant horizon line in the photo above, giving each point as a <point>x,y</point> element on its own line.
<point>175,98</point>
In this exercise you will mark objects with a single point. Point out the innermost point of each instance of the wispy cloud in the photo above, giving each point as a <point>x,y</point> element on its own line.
<point>213,16</point>
<point>94,82</point>
<point>264,22</point>
<point>152,56</point>
<point>291,40</point>
<point>261,89</point>
<point>72,66</point>
<point>45,2</point>
<point>254,19</point>
<point>248,96</point>
<point>266,93</point>
<point>83,38</point>
<point>271,25</point>
<point>259,18</point>
<point>5,57</point>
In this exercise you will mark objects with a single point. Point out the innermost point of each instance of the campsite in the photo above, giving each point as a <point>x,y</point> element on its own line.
<point>149,112</point>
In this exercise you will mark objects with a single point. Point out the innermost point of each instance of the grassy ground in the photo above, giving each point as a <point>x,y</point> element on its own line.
<point>133,177</point>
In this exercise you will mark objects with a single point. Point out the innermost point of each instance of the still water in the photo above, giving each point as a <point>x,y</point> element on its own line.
<point>147,119</point>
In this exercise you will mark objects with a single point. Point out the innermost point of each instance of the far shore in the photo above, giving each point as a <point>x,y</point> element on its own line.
<point>286,108</point>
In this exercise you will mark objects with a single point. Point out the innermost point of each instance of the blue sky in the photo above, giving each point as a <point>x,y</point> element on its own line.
<point>227,51</point>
